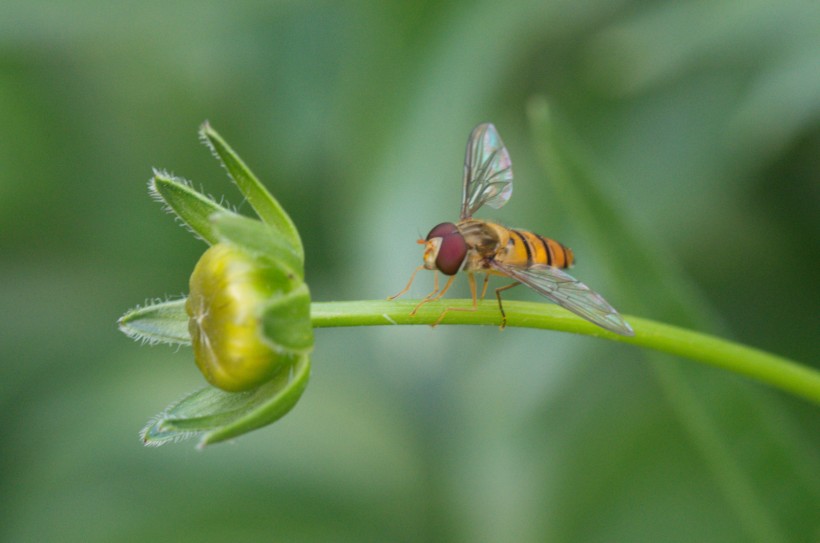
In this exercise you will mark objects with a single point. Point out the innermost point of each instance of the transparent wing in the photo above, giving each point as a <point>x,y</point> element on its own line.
<point>569,293</point>
<point>487,171</point>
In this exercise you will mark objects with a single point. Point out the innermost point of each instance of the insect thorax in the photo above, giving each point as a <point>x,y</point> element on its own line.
<point>484,240</point>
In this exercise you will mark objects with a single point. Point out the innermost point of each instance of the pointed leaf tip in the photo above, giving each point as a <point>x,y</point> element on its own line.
<point>192,207</point>
<point>262,201</point>
<point>159,322</point>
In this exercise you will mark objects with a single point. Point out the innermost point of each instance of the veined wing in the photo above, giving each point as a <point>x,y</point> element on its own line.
<point>569,293</point>
<point>487,171</point>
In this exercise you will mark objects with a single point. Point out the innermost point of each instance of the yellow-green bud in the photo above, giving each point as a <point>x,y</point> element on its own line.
<point>229,291</point>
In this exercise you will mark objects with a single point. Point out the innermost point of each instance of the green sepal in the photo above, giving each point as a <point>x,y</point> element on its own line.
<point>220,415</point>
<point>286,321</point>
<point>161,322</point>
<point>191,206</point>
<point>262,201</point>
<point>259,240</point>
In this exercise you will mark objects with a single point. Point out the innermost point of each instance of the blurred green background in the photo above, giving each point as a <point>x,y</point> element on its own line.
<point>701,120</point>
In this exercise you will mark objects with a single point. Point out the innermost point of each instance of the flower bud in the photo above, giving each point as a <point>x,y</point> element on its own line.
<point>229,293</point>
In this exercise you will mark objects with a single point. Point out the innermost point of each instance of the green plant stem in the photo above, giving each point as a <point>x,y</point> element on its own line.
<point>767,368</point>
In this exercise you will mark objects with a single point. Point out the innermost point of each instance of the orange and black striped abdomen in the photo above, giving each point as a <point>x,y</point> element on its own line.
<point>527,248</point>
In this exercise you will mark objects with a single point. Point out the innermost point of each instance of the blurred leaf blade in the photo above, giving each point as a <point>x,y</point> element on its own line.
<point>639,265</point>
<point>662,287</point>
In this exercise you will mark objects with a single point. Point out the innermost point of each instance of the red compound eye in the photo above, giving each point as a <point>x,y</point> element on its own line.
<point>453,248</point>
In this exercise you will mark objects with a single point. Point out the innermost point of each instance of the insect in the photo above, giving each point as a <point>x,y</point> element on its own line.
<point>476,246</point>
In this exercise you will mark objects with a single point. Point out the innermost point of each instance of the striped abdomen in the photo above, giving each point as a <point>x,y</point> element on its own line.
<point>525,249</point>
<point>490,241</point>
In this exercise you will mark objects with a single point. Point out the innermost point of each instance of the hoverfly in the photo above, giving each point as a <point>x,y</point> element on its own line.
<point>476,246</point>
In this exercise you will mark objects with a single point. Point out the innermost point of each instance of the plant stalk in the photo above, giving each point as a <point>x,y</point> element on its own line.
<point>764,367</point>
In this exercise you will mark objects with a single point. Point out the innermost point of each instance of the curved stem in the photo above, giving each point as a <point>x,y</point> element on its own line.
<point>767,368</point>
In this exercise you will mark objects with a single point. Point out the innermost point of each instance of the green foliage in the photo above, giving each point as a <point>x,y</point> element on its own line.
<point>698,120</point>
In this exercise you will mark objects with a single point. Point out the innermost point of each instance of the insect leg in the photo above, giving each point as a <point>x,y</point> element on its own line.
<point>410,282</point>
<point>435,287</point>
<point>471,277</point>
<point>433,296</point>
<point>486,282</point>
<point>445,289</point>
<point>500,306</point>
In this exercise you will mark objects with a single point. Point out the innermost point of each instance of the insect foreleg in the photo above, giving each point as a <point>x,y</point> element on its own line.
<point>410,282</point>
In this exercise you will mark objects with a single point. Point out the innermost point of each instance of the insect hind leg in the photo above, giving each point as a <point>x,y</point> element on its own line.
<point>498,292</point>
